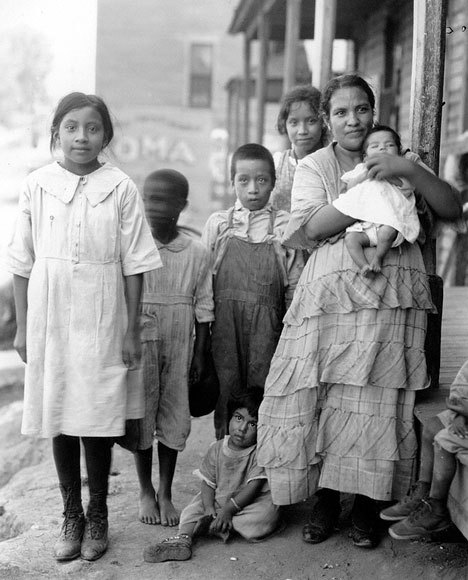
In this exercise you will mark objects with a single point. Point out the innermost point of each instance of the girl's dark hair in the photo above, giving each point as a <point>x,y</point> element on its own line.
<point>177,181</point>
<point>74,101</point>
<point>253,151</point>
<point>342,82</point>
<point>251,401</point>
<point>377,129</point>
<point>301,94</point>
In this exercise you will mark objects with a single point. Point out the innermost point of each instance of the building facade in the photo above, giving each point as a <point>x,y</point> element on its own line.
<point>162,66</point>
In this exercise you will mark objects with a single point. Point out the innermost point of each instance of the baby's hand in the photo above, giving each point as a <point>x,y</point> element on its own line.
<point>459,426</point>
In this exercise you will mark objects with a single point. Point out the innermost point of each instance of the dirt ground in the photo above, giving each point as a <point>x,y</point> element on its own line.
<point>30,517</point>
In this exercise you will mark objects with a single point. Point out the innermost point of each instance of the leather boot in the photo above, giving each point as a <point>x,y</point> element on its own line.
<point>95,540</point>
<point>68,545</point>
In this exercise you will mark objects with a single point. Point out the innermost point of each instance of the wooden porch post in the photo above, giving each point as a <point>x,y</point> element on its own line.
<point>246,88</point>
<point>237,114</point>
<point>427,81</point>
<point>324,34</point>
<point>264,39</point>
<point>293,14</point>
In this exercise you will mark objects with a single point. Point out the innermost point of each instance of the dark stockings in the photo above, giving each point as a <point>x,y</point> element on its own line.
<point>364,513</point>
<point>98,453</point>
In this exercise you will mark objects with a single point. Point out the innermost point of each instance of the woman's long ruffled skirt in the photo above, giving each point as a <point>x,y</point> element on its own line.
<point>339,398</point>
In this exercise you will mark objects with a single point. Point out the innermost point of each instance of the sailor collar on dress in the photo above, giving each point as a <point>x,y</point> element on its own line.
<point>239,207</point>
<point>179,243</point>
<point>62,183</point>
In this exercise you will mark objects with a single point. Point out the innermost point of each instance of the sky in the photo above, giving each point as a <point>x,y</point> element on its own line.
<point>70,29</point>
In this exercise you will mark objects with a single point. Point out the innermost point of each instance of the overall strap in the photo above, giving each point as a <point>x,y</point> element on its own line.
<point>230,217</point>
<point>271,224</point>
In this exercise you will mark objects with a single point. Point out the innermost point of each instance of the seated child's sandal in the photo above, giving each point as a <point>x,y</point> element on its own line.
<point>174,548</point>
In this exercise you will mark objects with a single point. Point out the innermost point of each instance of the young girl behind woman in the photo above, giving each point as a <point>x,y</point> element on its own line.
<point>300,120</point>
<point>79,250</point>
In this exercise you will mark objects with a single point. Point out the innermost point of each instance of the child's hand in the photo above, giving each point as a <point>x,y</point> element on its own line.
<point>197,367</point>
<point>459,426</point>
<point>222,521</point>
<point>19,344</point>
<point>131,351</point>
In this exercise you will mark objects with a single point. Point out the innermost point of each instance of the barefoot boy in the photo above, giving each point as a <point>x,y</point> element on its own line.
<point>254,278</point>
<point>175,300</point>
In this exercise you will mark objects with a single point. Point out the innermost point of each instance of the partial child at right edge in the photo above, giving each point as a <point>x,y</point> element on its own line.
<point>444,440</point>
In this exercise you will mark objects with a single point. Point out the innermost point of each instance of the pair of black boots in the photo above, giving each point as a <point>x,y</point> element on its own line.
<point>82,536</point>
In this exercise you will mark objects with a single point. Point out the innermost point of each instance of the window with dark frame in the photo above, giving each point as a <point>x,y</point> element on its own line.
<point>201,73</point>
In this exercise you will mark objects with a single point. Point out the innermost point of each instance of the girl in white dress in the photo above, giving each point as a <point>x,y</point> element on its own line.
<point>78,253</point>
<point>386,209</point>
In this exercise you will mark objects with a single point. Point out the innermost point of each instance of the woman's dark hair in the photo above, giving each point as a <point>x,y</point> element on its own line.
<point>301,94</point>
<point>74,101</point>
<point>253,151</point>
<point>342,82</point>
<point>251,401</point>
<point>178,182</point>
<point>377,129</point>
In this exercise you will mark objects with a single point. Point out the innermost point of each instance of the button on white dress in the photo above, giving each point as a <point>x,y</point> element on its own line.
<point>75,239</point>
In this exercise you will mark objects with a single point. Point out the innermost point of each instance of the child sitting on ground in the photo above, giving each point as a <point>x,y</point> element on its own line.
<point>254,278</point>
<point>234,492</point>
<point>175,300</point>
<point>387,211</point>
<point>444,440</point>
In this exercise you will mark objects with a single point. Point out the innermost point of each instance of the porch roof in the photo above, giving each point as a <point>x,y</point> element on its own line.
<point>348,14</point>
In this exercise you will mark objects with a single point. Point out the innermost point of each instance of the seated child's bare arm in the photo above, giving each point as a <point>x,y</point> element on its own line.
<point>249,492</point>
<point>208,499</point>
<point>235,503</point>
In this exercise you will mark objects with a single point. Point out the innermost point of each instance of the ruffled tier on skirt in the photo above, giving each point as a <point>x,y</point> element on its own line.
<point>339,397</point>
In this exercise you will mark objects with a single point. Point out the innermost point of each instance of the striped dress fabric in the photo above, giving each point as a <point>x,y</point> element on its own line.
<point>339,397</point>
<point>285,166</point>
<point>172,299</point>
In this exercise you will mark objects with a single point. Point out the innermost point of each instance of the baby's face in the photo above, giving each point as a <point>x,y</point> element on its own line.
<point>381,142</point>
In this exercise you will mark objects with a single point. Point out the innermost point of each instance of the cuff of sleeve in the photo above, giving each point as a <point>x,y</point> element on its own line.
<point>200,475</point>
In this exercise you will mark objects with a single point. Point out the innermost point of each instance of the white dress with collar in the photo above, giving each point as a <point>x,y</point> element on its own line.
<point>75,239</point>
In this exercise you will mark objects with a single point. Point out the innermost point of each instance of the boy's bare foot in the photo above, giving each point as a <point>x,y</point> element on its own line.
<point>169,515</point>
<point>148,511</point>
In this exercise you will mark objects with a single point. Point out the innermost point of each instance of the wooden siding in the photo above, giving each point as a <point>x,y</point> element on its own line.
<point>455,74</point>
